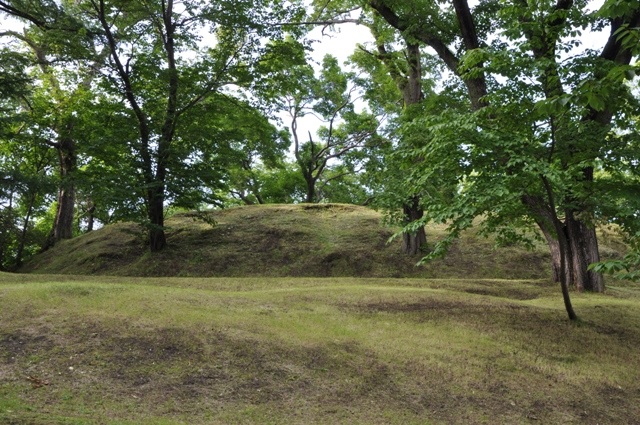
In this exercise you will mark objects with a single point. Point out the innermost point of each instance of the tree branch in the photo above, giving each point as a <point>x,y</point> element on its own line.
<point>7,8</point>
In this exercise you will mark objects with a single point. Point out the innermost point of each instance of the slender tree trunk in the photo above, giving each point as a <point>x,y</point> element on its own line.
<point>564,284</point>
<point>91,211</point>
<point>561,236</point>
<point>23,234</point>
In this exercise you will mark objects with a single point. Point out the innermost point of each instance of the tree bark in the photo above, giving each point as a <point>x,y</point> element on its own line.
<point>311,191</point>
<point>63,225</point>
<point>66,201</point>
<point>413,242</point>
<point>563,248</point>
<point>412,92</point>
<point>581,250</point>
<point>476,85</point>
<point>157,237</point>
<point>581,247</point>
<point>91,217</point>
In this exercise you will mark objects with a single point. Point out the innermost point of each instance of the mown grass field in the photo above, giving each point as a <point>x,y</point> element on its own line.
<point>305,315</point>
<point>80,350</point>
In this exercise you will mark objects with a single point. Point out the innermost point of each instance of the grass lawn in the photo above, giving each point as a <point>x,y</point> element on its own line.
<point>107,350</point>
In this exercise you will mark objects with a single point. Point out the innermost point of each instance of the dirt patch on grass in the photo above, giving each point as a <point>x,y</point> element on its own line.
<point>171,372</point>
<point>20,345</point>
<point>428,306</point>
<point>512,293</point>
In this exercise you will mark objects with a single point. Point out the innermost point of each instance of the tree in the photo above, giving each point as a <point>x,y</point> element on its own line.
<point>329,97</point>
<point>404,69</point>
<point>24,163</point>
<point>65,63</point>
<point>25,183</point>
<point>162,87</point>
<point>533,35</point>
<point>158,117</point>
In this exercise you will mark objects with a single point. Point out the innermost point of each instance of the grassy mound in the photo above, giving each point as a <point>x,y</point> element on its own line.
<point>108,350</point>
<point>282,240</point>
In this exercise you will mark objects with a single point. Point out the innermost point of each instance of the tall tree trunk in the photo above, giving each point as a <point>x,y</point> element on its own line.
<point>157,237</point>
<point>412,91</point>
<point>66,201</point>
<point>412,242</point>
<point>409,83</point>
<point>63,226</point>
<point>91,211</point>
<point>155,181</point>
<point>581,246</point>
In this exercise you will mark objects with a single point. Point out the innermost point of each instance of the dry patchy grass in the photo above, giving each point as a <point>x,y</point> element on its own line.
<point>301,351</point>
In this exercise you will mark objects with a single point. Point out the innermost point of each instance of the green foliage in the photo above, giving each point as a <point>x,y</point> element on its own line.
<point>626,268</point>
<point>343,134</point>
<point>544,120</point>
<point>182,131</point>
<point>280,183</point>
<point>197,123</point>
<point>13,79</point>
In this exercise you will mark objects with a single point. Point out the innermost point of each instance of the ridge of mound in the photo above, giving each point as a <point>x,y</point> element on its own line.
<point>280,240</point>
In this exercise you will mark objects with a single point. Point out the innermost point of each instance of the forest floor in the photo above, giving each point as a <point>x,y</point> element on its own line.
<point>304,349</point>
